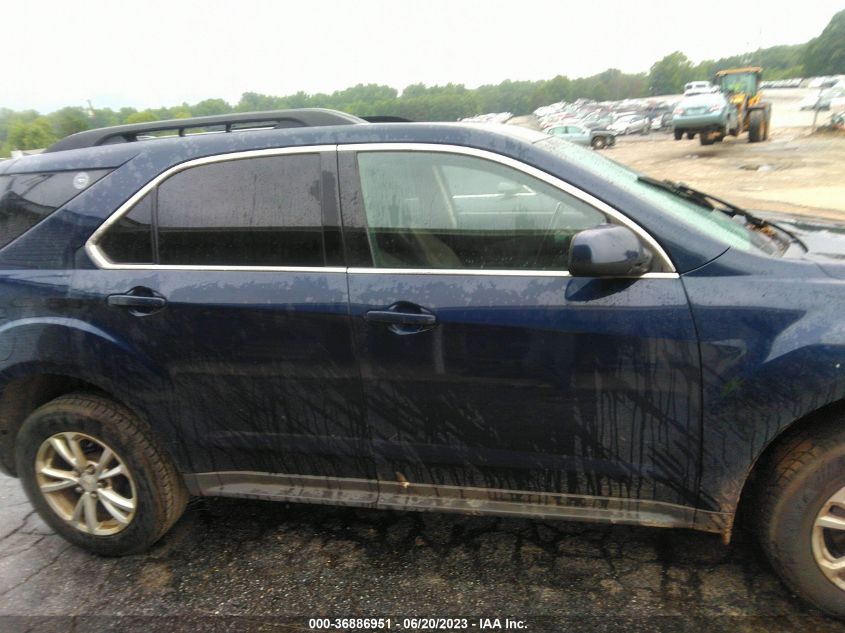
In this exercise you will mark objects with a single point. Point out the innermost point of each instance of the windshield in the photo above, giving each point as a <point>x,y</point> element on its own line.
<point>717,225</point>
<point>739,83</point>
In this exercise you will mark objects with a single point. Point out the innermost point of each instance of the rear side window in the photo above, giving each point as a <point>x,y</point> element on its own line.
<point>26,199</point>
<point>246,212</point>
<point>130,240</point>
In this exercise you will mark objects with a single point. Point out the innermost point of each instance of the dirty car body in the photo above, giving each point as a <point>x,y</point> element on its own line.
<point>417,366</point>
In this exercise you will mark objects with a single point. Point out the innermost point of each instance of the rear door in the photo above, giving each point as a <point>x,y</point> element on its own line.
<point>222,275</point>
<point>490,372</point>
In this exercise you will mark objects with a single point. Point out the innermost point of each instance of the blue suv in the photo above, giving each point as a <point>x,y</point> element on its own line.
<point>304,306</point>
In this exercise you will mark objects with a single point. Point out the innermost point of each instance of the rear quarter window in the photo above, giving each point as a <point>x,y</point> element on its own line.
<point>26,199</point>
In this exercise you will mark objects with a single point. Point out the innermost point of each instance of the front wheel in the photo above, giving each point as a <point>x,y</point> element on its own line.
<point>802,515</point>
<point>598,142</point>
<point>756,126</point>
<point>96,475</point>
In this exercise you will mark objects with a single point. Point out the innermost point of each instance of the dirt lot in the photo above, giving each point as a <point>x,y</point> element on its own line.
<point>796,171</point>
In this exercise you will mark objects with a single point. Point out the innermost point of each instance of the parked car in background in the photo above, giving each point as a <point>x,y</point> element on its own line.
<point>827,97</point>
<point>697,87</point>
<point>596,138</point>
<point>661,120</point>
<point>710,115</point>
<point>810,101</point>
<point>630,124</point>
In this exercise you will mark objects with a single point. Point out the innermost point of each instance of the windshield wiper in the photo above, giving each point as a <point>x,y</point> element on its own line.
<point>704,199</point>
<point>707,200</point>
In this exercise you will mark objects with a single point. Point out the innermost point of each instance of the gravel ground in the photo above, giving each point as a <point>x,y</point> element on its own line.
<point>239,566</point>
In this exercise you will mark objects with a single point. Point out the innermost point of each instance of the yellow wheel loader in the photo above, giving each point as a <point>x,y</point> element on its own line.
<point>741,85</point>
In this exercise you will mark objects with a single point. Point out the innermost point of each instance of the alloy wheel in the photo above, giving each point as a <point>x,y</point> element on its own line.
<point>86,483</point>
<point>829,539</point>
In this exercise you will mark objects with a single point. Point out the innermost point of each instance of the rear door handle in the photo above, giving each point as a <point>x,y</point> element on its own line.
<point>132,301</point>
<point>399,318</point>
<point>139,301</point>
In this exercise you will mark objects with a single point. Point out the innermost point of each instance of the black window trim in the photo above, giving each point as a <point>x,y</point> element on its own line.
<point>101,261</point>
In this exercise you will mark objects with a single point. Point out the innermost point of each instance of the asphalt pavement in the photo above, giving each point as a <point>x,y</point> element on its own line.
<point>232,565</point>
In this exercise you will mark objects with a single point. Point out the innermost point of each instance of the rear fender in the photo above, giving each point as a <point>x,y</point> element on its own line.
<point>66,347</point>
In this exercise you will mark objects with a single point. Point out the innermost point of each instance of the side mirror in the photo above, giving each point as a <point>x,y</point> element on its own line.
<point>608,250</point>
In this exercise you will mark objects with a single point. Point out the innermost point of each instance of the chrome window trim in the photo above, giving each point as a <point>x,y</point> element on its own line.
<point>527,169</point>
<point>488,272</point>
<point>101,261</point>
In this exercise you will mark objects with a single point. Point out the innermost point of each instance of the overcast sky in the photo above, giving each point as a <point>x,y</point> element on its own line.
<point>64,52</point>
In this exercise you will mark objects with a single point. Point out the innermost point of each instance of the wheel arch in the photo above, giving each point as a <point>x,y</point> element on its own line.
<point>24,393</point>
<point>744,507</point>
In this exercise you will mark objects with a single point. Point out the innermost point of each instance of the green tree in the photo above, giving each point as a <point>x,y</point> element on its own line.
<point>34,134</point>
<point>210,107</point>
<point>825,54</point>
<point>669,75</point>
<point>69,120</point>
<point>146,116</point>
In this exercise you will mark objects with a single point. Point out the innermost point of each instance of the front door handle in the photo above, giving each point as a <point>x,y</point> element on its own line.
<point>403,317</point>
<point>138,301</point>
<point>399,318</point>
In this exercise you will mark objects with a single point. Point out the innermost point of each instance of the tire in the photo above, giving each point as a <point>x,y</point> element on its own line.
<point>81,427</point>
<point>690,135</point>
<point>678,134</point>
<point>756,126</point>
<point>803,474</point>
<point>598,142</point>
<point>706,138</point>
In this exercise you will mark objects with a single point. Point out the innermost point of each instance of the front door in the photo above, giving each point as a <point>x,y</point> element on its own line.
<point>221,277</point>
<point>484,364</point>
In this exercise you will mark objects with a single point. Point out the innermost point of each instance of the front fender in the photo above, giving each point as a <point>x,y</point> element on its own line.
<point>772,352</point>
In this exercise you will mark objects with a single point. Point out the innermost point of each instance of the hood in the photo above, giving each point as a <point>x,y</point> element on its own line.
<point>824,238</point>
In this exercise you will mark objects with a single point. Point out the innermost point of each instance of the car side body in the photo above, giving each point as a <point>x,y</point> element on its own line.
<point>646,400</point>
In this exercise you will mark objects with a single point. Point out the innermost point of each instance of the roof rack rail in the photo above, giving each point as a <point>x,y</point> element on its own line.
<point>302,117</point>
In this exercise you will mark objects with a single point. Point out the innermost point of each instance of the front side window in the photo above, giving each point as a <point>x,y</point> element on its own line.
<point>245,212</point>
<point>440,210</point>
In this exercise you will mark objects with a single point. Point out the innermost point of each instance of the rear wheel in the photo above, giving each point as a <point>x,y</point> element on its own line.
<point>95,474</point>
<point>706,138</point>
<point>690,135</point>
<point>678,134</point>
<point>802,515</point>
<point>598,142</point>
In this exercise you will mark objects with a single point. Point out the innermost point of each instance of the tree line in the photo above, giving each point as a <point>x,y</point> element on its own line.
<point>822,55</point>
